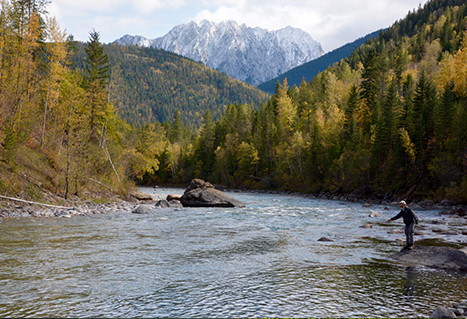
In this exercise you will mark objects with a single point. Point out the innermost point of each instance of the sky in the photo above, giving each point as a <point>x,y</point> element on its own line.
<point>333,23</point>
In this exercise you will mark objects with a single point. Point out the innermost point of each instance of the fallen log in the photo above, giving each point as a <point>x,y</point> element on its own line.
<point>32,203</point>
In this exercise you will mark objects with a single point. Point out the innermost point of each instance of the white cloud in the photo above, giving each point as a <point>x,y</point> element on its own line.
<point>333,23</point>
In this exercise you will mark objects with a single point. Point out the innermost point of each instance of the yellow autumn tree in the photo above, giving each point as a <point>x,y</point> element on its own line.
<point>454,69</point>
<point>53,116</point>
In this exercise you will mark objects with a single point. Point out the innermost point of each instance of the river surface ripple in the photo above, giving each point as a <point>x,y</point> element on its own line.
<point>260,261</point>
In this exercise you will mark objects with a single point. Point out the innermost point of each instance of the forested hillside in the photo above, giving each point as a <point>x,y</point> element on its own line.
<point>59,133</point>
<point>391,117</point>
<point>149,85</point>
<point>310,69</point>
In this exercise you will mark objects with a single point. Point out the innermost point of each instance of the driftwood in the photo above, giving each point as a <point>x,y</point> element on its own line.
<point>97,182</point>
<point>33,203</point>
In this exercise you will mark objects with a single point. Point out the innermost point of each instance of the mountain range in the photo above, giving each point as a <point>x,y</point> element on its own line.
<point>252,55</point>
<point>310,69</point>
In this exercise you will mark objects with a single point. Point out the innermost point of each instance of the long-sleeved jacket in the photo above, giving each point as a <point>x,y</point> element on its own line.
<point>408,215</point>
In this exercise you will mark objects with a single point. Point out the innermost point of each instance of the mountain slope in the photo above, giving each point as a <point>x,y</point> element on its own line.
<point>312,68</point>
<point>252,55</point>
<point>150,85</point>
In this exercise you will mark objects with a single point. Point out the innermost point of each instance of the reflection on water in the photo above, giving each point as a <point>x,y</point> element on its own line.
<point>259,261</point>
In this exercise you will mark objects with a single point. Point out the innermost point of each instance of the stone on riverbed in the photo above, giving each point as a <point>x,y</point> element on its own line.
<point>433,256</point>
<point>203,194</point>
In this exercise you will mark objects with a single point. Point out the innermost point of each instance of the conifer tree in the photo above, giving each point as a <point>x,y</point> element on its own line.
<point>97,72</point>
<point>369,91</point>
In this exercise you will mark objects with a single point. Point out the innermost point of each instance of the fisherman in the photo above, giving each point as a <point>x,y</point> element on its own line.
<point>410,220</point>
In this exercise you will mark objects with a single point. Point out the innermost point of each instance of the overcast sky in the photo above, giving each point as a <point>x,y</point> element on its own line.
<point>333,23</point>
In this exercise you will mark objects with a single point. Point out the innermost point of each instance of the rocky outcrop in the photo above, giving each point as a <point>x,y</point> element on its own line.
<point>433,256</point>
<point>203,194</point>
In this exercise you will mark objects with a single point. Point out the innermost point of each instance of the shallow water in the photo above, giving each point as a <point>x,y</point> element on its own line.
<point>260,261</point>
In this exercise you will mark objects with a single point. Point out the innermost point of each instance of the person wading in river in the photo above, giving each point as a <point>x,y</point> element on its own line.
<point>410,220</point>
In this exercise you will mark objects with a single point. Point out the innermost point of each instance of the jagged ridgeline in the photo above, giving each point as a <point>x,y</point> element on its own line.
<point>149,85</point>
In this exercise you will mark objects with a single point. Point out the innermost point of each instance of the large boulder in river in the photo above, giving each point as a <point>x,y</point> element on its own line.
<point>203,194</point>
<point>433,256</point>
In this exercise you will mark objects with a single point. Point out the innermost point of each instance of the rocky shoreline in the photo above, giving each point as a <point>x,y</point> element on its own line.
<point>13,209</point>
<point>10,209</point>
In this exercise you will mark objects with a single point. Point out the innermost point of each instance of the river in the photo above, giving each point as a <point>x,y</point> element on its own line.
<point>263,260</point>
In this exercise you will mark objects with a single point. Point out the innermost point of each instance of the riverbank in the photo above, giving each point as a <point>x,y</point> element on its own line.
<point>10,208</point>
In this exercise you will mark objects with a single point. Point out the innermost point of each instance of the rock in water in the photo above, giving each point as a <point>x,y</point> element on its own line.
<point>142,209</point>
<point>433,256</point>
<point>171,197</point>
<point>442,312</point>
<point>203,194</point>
<point>375,214</point>
<point>162,204</point>
<point>141,196</point>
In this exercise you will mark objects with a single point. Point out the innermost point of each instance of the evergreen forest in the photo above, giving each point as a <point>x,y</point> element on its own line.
<point>391,117</point>
<point>149,85</point>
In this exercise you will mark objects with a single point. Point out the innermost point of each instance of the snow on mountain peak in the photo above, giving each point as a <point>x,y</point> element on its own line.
<point>253,55</point>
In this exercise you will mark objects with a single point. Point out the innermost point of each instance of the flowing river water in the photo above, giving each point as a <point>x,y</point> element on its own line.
<point>263,260</point>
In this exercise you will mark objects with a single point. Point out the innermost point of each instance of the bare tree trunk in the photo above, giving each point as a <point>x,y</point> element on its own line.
<point>67,175</point>
<point>103,144</point>
<point>45,115</point>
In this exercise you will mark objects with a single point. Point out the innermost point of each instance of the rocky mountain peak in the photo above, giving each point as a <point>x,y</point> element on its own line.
<point>253,55</point>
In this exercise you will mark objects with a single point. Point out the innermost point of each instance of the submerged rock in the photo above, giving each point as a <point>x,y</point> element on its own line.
<point>325,239</point>
<point>433,256</point>
<point>203,194</point>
